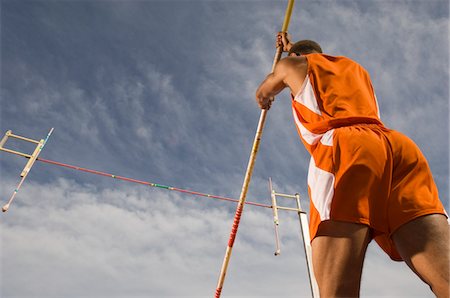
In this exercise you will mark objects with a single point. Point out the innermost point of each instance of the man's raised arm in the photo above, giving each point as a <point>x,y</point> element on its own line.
<point>272,85</point>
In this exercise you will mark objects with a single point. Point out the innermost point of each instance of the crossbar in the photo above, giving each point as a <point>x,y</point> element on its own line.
<point>117,177</point>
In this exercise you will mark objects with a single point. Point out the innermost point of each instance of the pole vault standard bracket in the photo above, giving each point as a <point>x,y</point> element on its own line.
<point>31,158</point>
<point>304,227</point>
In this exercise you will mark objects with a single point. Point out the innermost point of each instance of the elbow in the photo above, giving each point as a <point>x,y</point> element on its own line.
<point>258,93</point>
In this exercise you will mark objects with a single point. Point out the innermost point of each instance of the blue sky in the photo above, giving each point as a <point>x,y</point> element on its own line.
<point>163,91</point>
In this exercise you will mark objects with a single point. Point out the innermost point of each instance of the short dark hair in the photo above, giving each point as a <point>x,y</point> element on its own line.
<point>303,47</point>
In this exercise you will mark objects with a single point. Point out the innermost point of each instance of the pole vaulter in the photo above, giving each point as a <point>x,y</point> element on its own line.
<point>251,163</point>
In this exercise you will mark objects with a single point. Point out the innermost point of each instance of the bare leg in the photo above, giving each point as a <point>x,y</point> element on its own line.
<point>424,245</point>
<point>338,256</point>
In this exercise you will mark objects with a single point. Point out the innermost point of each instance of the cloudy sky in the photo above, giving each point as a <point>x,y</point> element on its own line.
<point>163,91</point>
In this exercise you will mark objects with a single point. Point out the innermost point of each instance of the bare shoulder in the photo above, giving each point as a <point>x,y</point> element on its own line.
<point>289,62</point>
<point>293,70</point>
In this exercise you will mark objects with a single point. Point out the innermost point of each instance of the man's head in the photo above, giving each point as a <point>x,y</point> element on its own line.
<point>304,47</point>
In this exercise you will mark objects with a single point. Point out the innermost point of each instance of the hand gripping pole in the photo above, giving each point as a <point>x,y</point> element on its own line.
<point>251,163</point>
<point>32,158</point>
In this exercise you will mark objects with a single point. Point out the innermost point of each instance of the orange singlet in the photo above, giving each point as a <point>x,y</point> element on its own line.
<point>360,171</point>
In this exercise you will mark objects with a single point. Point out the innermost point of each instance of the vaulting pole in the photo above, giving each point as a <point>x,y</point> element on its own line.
<point>251,163</point>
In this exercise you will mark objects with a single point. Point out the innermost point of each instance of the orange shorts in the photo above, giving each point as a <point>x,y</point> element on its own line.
<point>371,175</point>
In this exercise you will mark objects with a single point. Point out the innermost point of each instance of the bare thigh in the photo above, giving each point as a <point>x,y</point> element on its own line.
<point>338,255</point>
<point>424,245</point>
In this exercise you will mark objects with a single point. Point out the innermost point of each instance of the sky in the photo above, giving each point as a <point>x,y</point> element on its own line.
<point>163,91</point>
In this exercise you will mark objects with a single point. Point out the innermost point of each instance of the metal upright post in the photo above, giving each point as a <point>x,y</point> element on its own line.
<point>304,227</point>
<point>32,158</point>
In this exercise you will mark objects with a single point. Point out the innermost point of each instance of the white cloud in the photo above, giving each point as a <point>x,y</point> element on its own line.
<point>69,240</point>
